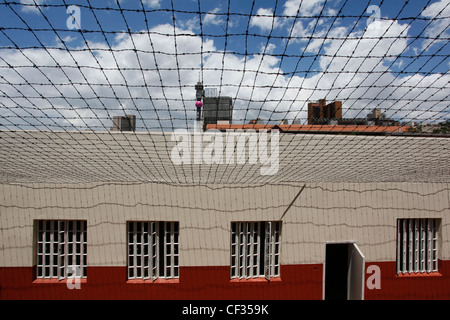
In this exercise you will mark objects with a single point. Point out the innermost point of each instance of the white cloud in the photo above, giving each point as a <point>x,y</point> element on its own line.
<point>354,70</point>
<point>268,49</point>
<point>300,34</point>
<point>67,39</point>
<point>192,24</point>
<point>304,7</point>
<point>356,66</point>
<point>265,20</point>
<point>437,9</point>
<point>213,18</point>
<point>31,6</point>
<point>383,39</point>
<point>98,89</point>
<point>438,28</point>
<point>152,3</point>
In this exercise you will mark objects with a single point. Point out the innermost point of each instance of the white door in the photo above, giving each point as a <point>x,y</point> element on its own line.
<point>355,274</point>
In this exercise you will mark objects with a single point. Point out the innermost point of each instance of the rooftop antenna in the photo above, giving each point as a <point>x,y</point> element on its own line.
<point>199,93</point>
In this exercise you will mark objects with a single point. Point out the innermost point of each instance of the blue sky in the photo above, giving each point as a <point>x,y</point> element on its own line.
<point>160,12</point>
<point>399,62</point>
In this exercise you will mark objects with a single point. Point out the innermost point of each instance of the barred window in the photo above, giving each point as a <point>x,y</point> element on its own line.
<point>255,249</point>
<point>61,249</point>
<point>153,250</point>
<point>417,245</point>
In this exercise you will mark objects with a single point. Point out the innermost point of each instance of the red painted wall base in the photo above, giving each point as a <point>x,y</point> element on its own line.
<point>416,287</point>
<point>298,282</point>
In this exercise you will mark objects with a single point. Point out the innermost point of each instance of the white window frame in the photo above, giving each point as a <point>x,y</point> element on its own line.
<point>153,250</point>
<point>254,243</point>
<point>417,246</point>
<point>61,245</point>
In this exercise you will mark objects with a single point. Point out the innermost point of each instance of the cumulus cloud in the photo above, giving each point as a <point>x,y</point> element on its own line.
<point>86,88</point>
<point>152,3</point>
<point>213,18</point>
<point>438,28</point>
<point>265,20</point>
<point>31,6</point>
<point>383,39</point>
<point>107,82</point>
<point>303,7</point>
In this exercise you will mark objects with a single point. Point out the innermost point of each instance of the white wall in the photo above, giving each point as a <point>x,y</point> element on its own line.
<point>365,213</point>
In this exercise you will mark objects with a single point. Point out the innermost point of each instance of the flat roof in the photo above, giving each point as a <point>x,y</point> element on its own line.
<point>299,128</point>
<point>102,156</point>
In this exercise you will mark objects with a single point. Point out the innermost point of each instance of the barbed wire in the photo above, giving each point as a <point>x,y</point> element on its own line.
<point>61,87</point>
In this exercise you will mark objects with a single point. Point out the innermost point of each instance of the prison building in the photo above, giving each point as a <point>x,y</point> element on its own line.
<point>322,113</point>
<point>109,215</point>
<point>217,110</point>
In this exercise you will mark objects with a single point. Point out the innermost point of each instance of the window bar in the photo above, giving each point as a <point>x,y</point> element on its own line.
<point>130,249</point>
<point>70,243</point>
<point>155,249</point>
<point>169,250</point>
<point>83,267</point>
<point>249,250</point>
<point>168,247</point>
<point>429,245</point>
<point>140,248</point>
<point>172,250</point>
<point>61,250</point>
<point>79,249</point>
<point>423,237</point>
<point>134,265</point>
<point>61,244</point>
<point>55,250</point>
<point>51,251</point>
<point>233,269</point>
<point>404,246</point>
<point>416,245</point>
<point>132,258</point>
<point>46,248</point>
<point>138,251</point>
<point>435,246</point>
<point>176,258</point>
<point>410,245</point>
<point>40,248</point>
<point>241,262</point>
<point>276,248</point>
<point>79,252</point>
<point>136,248</point>
<point>268,250</point>
<point>271,247</point>
<point>76,260</point>
<point>164,240</point>
<point>256,248</point>
<point>145,251</point>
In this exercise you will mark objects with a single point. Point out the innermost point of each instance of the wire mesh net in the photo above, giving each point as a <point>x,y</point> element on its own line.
<point>338,128</point>
<point>70,67</point>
